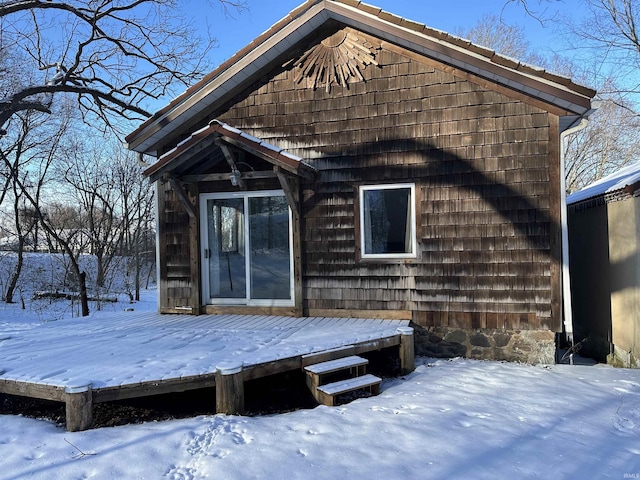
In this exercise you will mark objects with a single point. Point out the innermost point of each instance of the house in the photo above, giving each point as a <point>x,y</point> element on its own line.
<point>352,163</point>
<point>604,245</point>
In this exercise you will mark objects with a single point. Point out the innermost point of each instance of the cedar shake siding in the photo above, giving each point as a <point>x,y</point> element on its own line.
<point>480,161</point>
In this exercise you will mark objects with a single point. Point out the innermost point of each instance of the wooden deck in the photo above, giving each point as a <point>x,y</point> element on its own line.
<point>86,361</point>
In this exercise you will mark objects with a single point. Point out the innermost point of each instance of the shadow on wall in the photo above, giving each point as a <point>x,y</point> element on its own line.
<point>441,168</point>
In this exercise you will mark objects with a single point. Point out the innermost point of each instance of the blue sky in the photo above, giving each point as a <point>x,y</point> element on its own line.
<point>235,32</point>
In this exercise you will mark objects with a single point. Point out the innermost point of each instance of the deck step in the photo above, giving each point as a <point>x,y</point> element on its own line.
<point>326,380</point>
<point>336,365</point>
<point>328,392</point>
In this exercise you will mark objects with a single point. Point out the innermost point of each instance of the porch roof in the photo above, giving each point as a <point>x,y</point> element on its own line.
<point>216,133</point>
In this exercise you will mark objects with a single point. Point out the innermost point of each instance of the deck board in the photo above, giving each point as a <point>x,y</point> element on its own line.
<point>135,349</point>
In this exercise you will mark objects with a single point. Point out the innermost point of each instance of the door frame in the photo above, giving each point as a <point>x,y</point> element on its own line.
<point>204,243</point>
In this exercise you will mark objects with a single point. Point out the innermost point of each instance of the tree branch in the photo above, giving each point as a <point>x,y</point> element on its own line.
<point>111,55</point>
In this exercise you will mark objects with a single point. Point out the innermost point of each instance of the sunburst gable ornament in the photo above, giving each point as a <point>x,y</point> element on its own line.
<point>336,60</point>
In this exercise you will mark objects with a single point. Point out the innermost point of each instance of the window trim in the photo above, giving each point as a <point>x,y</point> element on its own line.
<point>413,232</point>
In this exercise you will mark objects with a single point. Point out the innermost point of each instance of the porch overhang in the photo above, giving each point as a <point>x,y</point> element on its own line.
<point>216,139</point>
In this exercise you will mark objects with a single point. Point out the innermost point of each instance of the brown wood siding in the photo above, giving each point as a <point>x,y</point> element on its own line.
<point>176,256</point>
<point>480,161</point>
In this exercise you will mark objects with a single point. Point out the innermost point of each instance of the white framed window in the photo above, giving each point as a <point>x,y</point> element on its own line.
<point>387,221</point>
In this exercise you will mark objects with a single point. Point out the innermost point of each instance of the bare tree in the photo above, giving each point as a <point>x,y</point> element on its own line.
<point>26,160</point>
<point>113,204</point>
<point>492,32</point>
<point>610,141</point>
<point>136,208</point>
<point>106,183</point>
<point>111,55</point>
<point>30,189</point>
<point>87,170</point>
<point>541,10</point>
<point>609,31</point>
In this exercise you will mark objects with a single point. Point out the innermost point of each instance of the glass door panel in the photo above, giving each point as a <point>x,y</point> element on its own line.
<point>247,248</point>
<point>226,248</point>
<point>270,256</point>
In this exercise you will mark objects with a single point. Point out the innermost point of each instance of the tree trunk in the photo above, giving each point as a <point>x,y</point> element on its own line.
<point>16,273</point>
<point>84,300</point>
<point>100,270</point>
<point>137,274</point>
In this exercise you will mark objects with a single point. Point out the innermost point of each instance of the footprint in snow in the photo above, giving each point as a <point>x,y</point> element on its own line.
<point>33,456</point>
<point>179,473</point>
<point>393,411</point>
<point>630,383</point>
<point>218,434</point>
<point>623,425</point>
<point>215,442</point>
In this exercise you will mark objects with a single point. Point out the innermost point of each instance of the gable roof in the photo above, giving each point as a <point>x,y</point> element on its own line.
<point>231,75</point>
<point>627,178</point>
<point>170,161</point>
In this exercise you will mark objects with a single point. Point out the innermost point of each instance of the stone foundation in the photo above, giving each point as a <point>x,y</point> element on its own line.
<point>525,346</point>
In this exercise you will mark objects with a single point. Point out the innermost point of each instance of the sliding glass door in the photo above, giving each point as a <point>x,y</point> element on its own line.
<point>247,245</point>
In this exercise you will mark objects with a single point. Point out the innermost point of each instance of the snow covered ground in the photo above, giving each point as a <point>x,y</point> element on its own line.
<point>458,419</point>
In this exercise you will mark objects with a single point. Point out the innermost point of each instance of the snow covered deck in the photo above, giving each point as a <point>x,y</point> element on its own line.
<point>137,354</point>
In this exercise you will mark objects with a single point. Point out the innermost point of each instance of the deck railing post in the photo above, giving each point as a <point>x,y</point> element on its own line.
<point>229,389</point>
<point>407,355</point>
<point>79,407</point>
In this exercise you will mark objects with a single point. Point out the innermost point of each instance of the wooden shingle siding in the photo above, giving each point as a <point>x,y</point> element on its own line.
<point>175,252</point>
<point>480,162</point>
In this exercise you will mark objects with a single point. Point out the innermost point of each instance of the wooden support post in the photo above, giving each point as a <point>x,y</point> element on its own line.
<point>194,254</point>
<point>229,389</point>
<point>182,196</point>
<point>291,188</point>
<point>407,355</point>
<point>79,408</point>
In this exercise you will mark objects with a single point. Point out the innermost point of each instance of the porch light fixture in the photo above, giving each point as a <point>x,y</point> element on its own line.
<point>235,177</point>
